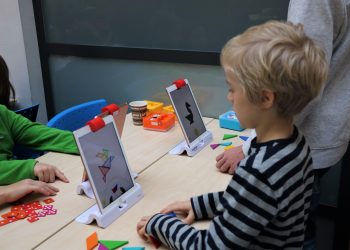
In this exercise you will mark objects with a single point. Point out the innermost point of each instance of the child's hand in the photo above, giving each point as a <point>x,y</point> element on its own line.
<point>228,160</point>
<point>48,173</point>
<point>141,227</point>
<point>20,189</point>
<point>181,207</point>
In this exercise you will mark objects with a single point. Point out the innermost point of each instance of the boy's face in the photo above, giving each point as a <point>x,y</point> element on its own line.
<point>247,112</point>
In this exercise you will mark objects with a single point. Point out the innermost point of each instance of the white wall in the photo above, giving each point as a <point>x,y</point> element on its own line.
<point>18,46</point>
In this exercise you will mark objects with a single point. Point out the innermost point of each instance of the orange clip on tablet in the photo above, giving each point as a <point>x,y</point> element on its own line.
<point>159,121</point>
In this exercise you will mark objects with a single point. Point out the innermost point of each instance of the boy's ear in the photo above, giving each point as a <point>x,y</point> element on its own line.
<point>267,98</point>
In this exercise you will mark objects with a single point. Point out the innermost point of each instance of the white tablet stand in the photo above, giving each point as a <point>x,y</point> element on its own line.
<point>116,210</point>
<point>106,216</point>
<point>205,139</point>
<point>85,187</point>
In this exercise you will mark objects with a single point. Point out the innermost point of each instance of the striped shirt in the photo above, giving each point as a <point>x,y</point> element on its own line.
<point>265,205</point>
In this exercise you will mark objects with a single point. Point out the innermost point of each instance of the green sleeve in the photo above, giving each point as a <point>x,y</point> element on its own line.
<point>41,137</point>
<point>15,170</point>
<point>15,129</point>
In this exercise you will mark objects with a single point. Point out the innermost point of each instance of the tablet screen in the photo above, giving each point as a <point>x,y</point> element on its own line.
<point>106,163</point>
<point>187,112</point>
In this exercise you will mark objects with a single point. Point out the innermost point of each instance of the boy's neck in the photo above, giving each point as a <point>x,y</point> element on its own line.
<point>274,129</point>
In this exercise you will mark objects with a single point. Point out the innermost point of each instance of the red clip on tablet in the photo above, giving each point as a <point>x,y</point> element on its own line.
<point>179,83</point>
<point>111,108</point>
<point>96,123</point>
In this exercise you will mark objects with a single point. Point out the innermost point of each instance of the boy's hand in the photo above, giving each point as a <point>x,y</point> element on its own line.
<point>48,173</point>
<point>20,189</point>
<point>141,227</point>
<point>181,207</point>
<point>228,160</point>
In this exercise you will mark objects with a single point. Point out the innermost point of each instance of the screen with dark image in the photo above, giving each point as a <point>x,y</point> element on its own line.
<point>107,164</point>
<point>188,112</point>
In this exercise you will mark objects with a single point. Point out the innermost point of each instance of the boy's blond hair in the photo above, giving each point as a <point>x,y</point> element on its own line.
<point>277,56</point>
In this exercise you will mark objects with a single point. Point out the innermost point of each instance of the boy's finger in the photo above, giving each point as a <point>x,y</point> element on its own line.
<point>61,176</point>
<point>224,167</point>
<point>52,176</point>
<point>220,163</point>
<point>40,176</point>
<point>46,175</point>
<point>232,168</point>
<point>219,157</point>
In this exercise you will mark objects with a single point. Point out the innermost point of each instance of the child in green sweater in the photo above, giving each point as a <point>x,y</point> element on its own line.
<point>15,128</point>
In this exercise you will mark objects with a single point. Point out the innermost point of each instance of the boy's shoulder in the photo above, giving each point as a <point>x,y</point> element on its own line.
<point>278,160</point>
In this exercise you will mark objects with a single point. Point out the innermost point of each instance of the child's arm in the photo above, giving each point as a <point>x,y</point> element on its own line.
<point>227,161</point>
<point>183,208</point>
<point>48,173</point>
<point>38,136</point>
<point>22,188</point>
<point>240,221</point>
<point>12,171</point>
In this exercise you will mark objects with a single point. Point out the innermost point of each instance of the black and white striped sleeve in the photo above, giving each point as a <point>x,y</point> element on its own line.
<point>205,206</point>
<point>246,210</point>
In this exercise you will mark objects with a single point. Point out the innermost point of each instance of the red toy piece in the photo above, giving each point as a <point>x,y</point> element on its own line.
<point>179,83</point>
<point>33,219</point>
<point>111,108</point>
<point>48,201</point>
<point>96,123</point>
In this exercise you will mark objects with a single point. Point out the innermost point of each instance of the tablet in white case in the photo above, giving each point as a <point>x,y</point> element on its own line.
<point>188,113</point>
<point>106,165</point>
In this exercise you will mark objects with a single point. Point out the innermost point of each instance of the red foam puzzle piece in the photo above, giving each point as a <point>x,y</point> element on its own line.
<point>48,201</point>
<point>32,219</point>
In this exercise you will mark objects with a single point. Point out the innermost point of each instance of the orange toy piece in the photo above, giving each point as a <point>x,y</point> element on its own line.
<point>159,121</point>
<point>153,106</point>
<point>91,241</point>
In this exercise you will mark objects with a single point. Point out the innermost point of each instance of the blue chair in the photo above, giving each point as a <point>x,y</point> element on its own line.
<point>77,116</point>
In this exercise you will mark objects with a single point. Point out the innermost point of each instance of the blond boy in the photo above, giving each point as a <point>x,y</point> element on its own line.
<point>273,70</point>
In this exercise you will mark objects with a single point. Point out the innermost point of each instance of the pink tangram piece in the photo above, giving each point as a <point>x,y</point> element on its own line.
<point>102,247</point>
<point>214,146</point>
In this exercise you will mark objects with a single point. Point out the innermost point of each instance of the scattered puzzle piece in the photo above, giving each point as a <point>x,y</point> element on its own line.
<point>9,215</point>
<point>214,146</point>
<point>228,136</point>
<point>31,210</point>
<point>133,248</point>
<point>21,215</point>
<point>113,244</point>
<point>17,208</point>
<point>228,147</point>
<point>4,222</point>
<point>47,207</point>
<point>32,219</point>
<point>226,143</point>
<point>41,214</point>
<point>244,138</point>
<point>48,201</point>
<point>102,247</point>
<point>91,241</point>
<point>156,243</point>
